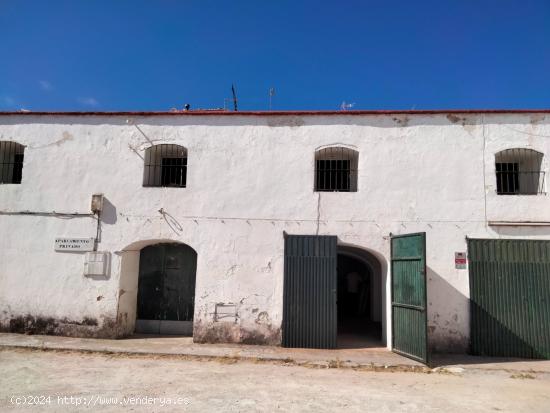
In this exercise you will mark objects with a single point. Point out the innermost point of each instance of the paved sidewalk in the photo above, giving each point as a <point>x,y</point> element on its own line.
<point>377,358</point>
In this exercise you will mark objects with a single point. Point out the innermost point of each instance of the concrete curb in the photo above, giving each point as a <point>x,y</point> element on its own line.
<point>234,358</point>
<point>375,360</point>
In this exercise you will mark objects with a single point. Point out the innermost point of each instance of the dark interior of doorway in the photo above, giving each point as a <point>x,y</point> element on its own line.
<point>356,328</point>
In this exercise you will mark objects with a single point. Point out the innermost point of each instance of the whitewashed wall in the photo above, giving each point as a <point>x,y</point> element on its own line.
<point>249,179</point>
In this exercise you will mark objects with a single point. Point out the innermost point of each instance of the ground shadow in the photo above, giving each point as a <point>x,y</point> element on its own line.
<point>487,332</point>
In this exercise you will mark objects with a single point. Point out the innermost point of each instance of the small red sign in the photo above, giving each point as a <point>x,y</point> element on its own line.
<point>460,260</point>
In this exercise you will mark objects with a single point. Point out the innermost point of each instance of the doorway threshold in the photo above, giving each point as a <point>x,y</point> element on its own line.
<point>164,327</point>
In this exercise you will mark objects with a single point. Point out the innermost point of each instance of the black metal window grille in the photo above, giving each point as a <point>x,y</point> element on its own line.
<point>519,172</point>
<point>507,177</point>
<point>173,171</point>
<point>336,170</point>
<point>11,162</point>
<point>165,166</point>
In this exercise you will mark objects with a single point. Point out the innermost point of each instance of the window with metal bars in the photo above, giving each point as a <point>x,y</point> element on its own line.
<point>11,162</point>
<point>165,166</point>
<point>336,169</point>
<point>519,172</point>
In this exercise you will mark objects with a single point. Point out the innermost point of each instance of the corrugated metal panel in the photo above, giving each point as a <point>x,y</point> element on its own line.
<point>309,310</point>
<point>409,321</point>
<point>510,297</point>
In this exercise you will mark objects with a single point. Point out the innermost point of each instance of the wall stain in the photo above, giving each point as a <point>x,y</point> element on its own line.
<point>231,271</point>
<point>263,318</point>
<point>87,327</point>
<point>454,119</point>
<point>66,136</point>
<point>401,120</point>
<point>536,118</point>
<point>292,121</point>
<point>469,126</point>
<point>445,339</point>
<point>267,268</point>
<point>233,333</point>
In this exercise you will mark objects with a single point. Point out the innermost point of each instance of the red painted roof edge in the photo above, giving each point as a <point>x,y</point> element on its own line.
<point>276,113</point>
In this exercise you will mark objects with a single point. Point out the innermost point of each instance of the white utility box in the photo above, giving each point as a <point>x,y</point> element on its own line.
<point>97,264</point>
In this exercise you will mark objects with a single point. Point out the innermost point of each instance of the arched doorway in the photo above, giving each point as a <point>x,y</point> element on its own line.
<point>166,289</point>
<point>360,299</point>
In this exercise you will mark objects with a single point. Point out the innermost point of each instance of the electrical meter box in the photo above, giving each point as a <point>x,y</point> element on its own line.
<point>96,264</point>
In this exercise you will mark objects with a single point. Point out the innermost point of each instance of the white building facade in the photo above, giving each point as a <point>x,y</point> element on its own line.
<point>231,186</point>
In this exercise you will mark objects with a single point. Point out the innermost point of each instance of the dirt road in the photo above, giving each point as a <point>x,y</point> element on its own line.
<point>57,381</point>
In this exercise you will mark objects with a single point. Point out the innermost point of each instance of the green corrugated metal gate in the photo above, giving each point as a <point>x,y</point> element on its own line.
<point>510,297</point>
<point>408,291</point>
<point>309,309</point>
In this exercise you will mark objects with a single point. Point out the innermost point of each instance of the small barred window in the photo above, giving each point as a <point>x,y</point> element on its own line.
<point>11,162</point>
<point>519,172</point>
<point>336,170</point>
<point>165,166</point>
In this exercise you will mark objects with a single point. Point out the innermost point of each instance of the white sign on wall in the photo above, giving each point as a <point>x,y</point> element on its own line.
<point>460,260</point>
<point>74,244</point>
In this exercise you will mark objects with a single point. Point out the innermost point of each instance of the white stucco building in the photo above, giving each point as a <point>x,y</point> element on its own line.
<point>228,186</point>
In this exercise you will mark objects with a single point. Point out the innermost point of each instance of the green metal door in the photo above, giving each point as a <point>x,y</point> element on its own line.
<point>309,302</point>
<point>408,291</point>
<point>509,297</point>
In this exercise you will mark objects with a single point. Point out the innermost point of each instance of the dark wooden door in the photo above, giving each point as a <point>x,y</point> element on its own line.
<point>166,287</point>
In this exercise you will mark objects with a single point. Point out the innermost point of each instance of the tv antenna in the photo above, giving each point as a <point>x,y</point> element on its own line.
<point>234,97</point>
<point>271,94</point>
<point>346,106</point>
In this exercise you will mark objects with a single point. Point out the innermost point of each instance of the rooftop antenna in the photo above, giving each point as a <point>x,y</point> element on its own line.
<point>234,98</point>
<point>346,106</point>
<point>271,94</point>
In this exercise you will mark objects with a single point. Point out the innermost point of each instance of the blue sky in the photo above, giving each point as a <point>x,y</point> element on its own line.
<point>155,55</point>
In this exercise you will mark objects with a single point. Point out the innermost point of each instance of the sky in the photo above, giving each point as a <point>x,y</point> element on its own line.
<point>157,55</point>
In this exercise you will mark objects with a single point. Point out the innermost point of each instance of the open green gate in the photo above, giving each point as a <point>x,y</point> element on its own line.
<point>310,282</point>
<point>408,292</point>
<point>510,297</point>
